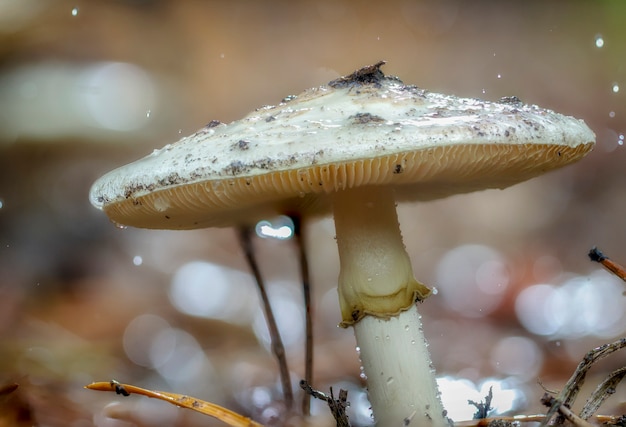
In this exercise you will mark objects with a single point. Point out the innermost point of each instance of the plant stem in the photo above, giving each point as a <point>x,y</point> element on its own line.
<point>277,343</point>
<point>306,290</point>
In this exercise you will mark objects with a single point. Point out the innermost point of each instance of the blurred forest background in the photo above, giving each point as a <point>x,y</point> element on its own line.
<point>86,86</point>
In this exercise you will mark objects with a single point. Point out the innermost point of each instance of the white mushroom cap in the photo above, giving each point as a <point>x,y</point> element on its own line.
<point>363,129</point>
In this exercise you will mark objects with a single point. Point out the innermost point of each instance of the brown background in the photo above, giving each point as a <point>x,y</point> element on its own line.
<point>68,285</point>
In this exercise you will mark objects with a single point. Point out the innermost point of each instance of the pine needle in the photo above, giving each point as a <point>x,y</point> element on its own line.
<point>225,415</point>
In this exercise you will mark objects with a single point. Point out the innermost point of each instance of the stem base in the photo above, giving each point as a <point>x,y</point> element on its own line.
<point>400,376</point>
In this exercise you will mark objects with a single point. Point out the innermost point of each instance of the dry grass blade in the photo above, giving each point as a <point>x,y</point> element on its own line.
<point>225,415</point>
<point>601,393</point>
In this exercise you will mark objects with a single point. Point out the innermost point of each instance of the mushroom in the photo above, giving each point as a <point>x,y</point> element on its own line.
<point>356,147</point>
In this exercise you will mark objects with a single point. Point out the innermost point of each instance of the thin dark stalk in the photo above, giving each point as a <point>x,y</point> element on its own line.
<point>277,343</point>
<point>306,290</point>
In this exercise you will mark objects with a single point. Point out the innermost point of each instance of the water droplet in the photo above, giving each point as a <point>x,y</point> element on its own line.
<point>387,337</point>
<point>390,380</point>
<point>615,88</point>
<point>620,139</point>
<point>499,76</point>
<point>75,11</point>
<point>281,228</point>
<point>120,226</point>
<point>180,131</point>
<point>435,290</point>
<point>412,342</point>
<point>222,56</point>
<point>611,114</point>
<point>406,327</point>
<point>161,204</point>
<point>217,186</point>
<point>599,41</point>
<point>137,260</point>
<point>358,349</point>
<point>369,279</point>
<point>148,114</point>
<point>484,91</point>
<point>362,374</point>
<point>1,204</point>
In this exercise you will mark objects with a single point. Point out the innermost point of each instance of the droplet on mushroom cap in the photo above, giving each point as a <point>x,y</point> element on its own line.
<point>359,130</point>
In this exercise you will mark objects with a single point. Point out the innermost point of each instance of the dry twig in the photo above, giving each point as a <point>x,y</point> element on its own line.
<point>337,406</point>
<point>566,412</point>
<point>596,255</point>
<point>573,385</point>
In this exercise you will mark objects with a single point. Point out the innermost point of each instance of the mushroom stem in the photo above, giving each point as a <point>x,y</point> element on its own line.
<point>400,376</point>
<point>377,294</point>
